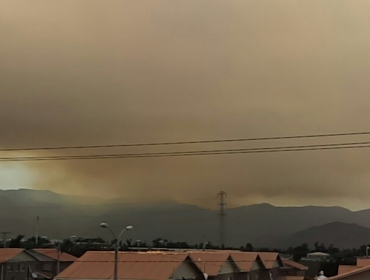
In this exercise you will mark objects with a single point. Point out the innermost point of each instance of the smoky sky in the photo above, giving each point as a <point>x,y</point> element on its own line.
<point>94,72</point>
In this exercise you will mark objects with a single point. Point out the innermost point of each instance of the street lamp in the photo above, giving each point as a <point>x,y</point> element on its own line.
<point>105,225</point>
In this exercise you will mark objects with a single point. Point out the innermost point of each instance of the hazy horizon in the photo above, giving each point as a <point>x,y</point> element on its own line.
<point>195,202</point>
<point>92,73</point>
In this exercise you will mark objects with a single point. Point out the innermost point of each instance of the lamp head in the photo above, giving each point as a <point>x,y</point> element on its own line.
<point>104,225</point>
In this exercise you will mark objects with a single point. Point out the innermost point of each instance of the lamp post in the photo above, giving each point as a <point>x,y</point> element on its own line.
<point>105,225</point>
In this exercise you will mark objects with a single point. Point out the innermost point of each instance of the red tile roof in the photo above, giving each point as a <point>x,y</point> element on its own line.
<point>350,273</point>
<point>53,254</point>
<point>161,265</point>
<point>150,266</point>
<point>269,259</point>
<point>244,260</point>
<point>346,268</point>
<point>293,264</point>
<point>210,263</point>
<point>9,253</point>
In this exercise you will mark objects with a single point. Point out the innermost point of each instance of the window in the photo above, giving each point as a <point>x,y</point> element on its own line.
<point>22,267</point>
<point>16,267</point>
<point>10,268</point>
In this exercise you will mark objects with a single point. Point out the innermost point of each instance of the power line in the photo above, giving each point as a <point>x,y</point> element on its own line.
<point>187,142</point>
<point>297,148</point>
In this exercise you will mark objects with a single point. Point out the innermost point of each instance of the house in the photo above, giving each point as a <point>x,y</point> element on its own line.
<point>292,270</point>
<point>249,265</point>
<point>354,272</point>
<point>272,264</point>
<point>181,265</point>
<point>216,265</point>
<point>16,264</point>
<point>135,266</point>
<point>315,262</point>
<point>47,261</point>
<point>317,256</point>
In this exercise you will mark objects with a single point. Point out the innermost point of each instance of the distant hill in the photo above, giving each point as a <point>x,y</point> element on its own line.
<point>340,234</point>
<point>262,225</point>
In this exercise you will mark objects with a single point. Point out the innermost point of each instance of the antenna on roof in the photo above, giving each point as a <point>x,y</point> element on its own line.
<point>222,216</point>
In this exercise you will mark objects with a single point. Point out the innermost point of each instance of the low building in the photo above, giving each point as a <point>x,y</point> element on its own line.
<point>272,264</point>
<point>20,264</point>
<point>134,266</point>
<point>357,274</point>
<point>216,265</point>
<point>292,270</point>
<point>249,265</point>
<point>47,261</point>
<point>16,264</point>
<point>317,256</point>
<point>359,271</point>
<point>181,265</point>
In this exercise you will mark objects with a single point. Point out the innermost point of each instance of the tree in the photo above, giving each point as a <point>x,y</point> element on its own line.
<point>333,251</point>
<point>249,247</point>
<point>320,247</point>
<point>158,242</point>
<point>128,243</point>
<point>67,246</point>
<point>16,242</point>
<point>300,252</point>
<point>41,243</point>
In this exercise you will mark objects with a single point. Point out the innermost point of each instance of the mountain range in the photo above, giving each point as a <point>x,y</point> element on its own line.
<point>263,225</point>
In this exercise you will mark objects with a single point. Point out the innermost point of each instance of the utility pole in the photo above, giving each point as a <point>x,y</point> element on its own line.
<point>58,258</point>
<point>222,216</point>
<point>37,231</point>
<point>5,234</point>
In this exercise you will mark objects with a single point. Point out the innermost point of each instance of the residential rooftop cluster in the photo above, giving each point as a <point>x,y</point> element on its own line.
<point>152,265</point>
<point>182,264</point>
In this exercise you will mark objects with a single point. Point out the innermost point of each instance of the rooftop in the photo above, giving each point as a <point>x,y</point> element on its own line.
<point>350,273</point>
<point>53,254</point>
<point>9,253</point>
<point>99,265</point>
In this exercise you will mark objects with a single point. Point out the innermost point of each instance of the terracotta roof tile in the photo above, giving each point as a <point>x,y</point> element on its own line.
<point>269,258</point>
<point>293,264</point>
<point>9,253</point>
<point>100,265</point>
<point>244,260</point>
<point>346,268</point>
<point>350,273</point>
